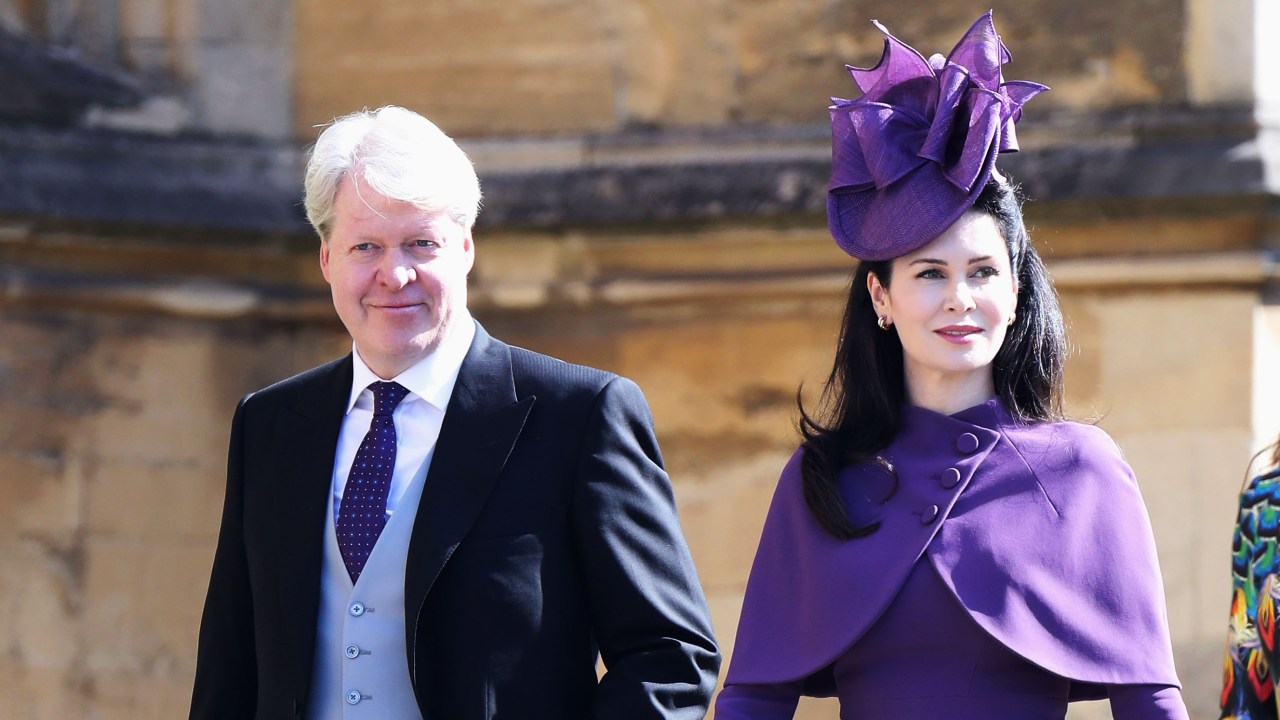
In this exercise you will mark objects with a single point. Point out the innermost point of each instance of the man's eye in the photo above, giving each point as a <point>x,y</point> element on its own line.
<point>361,247</point>
<point>424,243</point>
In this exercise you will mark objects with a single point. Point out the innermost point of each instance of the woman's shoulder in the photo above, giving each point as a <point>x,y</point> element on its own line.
<point>1064,441</point>
<point>1261,489</point>
<point>1072,456</point>
<point>1060,430</point>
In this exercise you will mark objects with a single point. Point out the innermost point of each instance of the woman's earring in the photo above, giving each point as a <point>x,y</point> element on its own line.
<point>1012,317</point>
<point>883,322</point>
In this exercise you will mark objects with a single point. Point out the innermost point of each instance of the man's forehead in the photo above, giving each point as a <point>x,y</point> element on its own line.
<point>362,203</point>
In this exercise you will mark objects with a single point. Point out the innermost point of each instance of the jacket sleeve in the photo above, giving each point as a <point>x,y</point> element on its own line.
<point>1247,690</point>
<point>647,607</point>
<point>1146,702</point>
<point>226,668</point>
<point>739,701</point>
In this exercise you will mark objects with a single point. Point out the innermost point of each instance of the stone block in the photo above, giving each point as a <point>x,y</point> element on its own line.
<point>717,250</point>
<point>741,377</point>
<point>1150,376</point>
<point>142,604</point>
<point>677,63</point>
<point>145,19</point>
<point>788,60</point>
<point>1190,479</point>
<point>39,693</point>
<point>159,502</point>
<point>524,273</point>
<point>1266,381</point>
<point>242,88</point>
<point>154,414</point>
<point>40,495</point>
<point>723,513</point>
<point>1220,42</point>
<point>260,23</point>
<point>483,67</point>
<point>40,582</point>
<point>124,698</point>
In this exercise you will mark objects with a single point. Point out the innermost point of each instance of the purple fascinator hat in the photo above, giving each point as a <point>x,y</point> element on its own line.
<point>911,155</point>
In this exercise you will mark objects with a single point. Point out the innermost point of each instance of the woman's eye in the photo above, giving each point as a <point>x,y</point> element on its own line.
<point>930,274</point>
<point>986,271</point>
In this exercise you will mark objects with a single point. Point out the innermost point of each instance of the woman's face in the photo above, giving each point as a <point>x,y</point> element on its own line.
<point>951,303</point>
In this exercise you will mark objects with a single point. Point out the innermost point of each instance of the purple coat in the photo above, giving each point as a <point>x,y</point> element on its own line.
<point>1038,530</point>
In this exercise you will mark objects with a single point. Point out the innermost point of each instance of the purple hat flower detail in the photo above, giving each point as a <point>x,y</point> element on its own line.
<point>913,153</point>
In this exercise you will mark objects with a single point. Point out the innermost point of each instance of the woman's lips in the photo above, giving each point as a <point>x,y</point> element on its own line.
<point>957,334</point>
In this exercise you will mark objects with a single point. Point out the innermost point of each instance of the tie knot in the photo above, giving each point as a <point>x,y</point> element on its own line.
<point>386,396</point>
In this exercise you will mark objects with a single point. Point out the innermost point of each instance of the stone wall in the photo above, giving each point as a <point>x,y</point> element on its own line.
<point>116,399</point>
<point>489,67</point>
<point>654,173</point>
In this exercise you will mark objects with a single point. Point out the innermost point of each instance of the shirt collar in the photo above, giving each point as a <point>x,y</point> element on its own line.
<point>432,378</point>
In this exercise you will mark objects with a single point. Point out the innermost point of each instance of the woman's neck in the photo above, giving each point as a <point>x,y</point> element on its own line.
<point>948,394</point>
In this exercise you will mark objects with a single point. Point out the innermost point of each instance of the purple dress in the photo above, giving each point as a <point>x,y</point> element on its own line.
<point>1013,571</point>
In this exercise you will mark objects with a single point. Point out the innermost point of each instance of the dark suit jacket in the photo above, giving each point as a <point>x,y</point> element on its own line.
<point>546,533</point>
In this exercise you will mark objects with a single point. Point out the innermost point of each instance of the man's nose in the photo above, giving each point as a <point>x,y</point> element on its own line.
<point>396,270</point>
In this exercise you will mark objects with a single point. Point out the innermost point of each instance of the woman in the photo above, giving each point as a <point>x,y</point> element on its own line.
<point>943,544</point>
<point>1249,670</point>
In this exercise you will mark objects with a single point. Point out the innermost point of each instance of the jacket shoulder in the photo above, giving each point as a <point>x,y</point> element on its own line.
<point>302,384</point>
<point>542,375</point>
<point>1068,452</point>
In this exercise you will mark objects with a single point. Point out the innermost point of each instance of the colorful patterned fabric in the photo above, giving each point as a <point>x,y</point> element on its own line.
<point>1249,670</point>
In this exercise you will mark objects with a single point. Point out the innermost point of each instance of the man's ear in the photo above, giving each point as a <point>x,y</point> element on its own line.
<point>324,259</point>
<point>469,250</point>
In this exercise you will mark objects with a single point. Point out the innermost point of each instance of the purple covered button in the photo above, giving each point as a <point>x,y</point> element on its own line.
<point>950,478</point>
<point>967,443</point>
<point>929,515</point>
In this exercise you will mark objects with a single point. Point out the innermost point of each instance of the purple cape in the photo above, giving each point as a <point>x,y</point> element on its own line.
<point>1038,530</point>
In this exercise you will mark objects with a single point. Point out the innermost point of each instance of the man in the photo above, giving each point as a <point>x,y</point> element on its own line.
<point>440,525</point>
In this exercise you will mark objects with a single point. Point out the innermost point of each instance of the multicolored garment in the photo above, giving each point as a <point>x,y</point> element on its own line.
<point>1249,670</point>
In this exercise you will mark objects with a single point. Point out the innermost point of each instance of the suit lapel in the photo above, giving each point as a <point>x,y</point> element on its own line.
<point>308,439</point>
<point>481,425</point>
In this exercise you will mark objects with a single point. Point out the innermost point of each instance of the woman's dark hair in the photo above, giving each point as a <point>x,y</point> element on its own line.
<point>859,410</point>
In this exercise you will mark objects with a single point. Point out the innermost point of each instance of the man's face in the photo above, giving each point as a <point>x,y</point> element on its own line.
<point>398,275</point>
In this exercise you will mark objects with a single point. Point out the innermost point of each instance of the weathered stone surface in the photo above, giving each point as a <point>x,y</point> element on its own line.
<point>632,177</point>
<point>478,67</point>
<point>676,62</point>
<point>655,175</point>
<point>114,435</point>
<point>54,85</point>
<point>606,65</point>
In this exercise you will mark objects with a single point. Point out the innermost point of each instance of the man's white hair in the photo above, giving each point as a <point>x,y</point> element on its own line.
<point>397,153</point>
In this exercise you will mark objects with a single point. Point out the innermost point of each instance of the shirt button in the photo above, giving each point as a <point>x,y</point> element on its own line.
<point>967,443</point>
<point>357,609</point>
<point>929,515</point>
<point>950,478</point>
<point>353,697</point>
<point>352,651</point>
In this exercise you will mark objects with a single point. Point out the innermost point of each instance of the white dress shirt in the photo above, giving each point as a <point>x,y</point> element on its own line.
<point>418,417</point>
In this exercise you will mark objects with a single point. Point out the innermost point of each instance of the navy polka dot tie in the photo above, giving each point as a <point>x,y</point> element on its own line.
<point>363,512</point>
